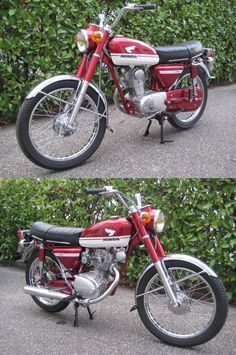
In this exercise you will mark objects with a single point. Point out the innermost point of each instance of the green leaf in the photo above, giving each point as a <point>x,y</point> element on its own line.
<point>12,12</point>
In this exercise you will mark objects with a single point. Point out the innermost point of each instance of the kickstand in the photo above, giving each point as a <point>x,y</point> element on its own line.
<point>161,120</point>
<point>147,129</point>
<point>90,313</point>
<point>76,320</point>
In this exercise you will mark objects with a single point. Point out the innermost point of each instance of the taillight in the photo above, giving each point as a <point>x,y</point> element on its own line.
<point>23,234</point>
<point>209,52</point>
<point>20,234</point>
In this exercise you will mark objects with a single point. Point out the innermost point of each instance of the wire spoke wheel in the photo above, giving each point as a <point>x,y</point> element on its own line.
<point>186,119</point>
<point>186,82</point>
<point>202,305</point>
<point>48,137</point>
<point>197,307</point>
<point>49,273</point>
<point>47,276</point>
<point>47,126</point>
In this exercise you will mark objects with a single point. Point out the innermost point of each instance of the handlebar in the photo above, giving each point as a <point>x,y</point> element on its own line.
<point>109,191</point>
<point>95,191</point>
<point>130,7</point>
<point>143,7</point>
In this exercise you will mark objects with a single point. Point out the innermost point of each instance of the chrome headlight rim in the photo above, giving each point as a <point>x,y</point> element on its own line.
<point>158,221</point>
<point>83,47</point>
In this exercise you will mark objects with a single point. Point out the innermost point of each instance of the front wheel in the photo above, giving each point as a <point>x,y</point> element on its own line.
<point>202,309</point>
<point>44,133</point>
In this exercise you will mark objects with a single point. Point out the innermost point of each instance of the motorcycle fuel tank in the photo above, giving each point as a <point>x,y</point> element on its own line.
<point>114,232</point>
<point>127,52</point>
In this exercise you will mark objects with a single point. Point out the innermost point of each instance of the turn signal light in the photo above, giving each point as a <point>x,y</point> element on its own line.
<point>146,217</point>
<point>96,36</point>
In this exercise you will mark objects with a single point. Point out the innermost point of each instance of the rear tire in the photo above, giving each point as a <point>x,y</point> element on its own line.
<point>32,279</point>
<point>40,141</point>
<point>202,296</point>
<point>178,120</point>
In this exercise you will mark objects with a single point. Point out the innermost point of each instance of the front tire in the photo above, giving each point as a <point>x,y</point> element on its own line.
<point>203,308</point>
<point>41,127</point>
<point>51,271</point>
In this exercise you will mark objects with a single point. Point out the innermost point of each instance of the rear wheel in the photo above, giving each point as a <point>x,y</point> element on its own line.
<point>50,274</point>
<point>185,120</point>
<point>202,307</point>
<point>45,136</point>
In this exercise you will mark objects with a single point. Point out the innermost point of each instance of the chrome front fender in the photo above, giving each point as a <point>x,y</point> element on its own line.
<point>39,88</point>
<point>191,260</point>
<point>179,257</point>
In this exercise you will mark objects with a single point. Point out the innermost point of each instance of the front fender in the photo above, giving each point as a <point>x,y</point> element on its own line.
<point>181,257</point>
<point>39,88</point>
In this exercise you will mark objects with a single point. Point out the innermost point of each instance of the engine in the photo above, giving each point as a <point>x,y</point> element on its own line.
<point>92,284</point>
<point>145,101</point>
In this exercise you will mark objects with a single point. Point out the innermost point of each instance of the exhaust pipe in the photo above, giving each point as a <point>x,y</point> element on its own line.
<point>87,302</point>
<point>42,292</point>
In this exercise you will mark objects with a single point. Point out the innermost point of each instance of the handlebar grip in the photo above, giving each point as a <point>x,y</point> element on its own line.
<point>146,6</point>
<point>95,191</point>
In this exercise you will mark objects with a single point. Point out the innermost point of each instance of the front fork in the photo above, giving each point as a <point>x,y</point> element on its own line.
<point>78,102</point>
<point>87,77</point>
<point>162,272</point>
<point>157,262</point>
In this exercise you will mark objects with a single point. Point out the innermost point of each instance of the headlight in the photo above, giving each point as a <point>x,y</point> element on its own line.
<point>158,221</point>
<point>81,39</point>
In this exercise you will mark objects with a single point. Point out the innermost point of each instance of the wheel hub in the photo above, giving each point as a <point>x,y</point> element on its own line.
<point>183,304</point>
<point>61,125</point>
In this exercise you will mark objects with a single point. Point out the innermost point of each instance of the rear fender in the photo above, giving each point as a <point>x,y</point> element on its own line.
<point>205,69</point>
<point>28,251</point>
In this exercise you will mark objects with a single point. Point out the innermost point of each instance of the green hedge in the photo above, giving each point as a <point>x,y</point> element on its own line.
<point>36,37</point>
<point>200,215</point>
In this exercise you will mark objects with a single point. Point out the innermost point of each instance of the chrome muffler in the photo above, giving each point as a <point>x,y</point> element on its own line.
<point>42,292</point>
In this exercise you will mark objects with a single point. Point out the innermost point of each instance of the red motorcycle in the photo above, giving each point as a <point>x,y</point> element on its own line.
<point>178,297</point>
<point>63,120</point>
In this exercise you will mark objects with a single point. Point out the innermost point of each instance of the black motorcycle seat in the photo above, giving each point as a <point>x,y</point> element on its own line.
<point>184,51</point>
<point>55,234</point>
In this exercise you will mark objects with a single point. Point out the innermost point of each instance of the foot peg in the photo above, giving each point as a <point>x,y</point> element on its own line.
<point>133,308</point>
<point>109,129</point>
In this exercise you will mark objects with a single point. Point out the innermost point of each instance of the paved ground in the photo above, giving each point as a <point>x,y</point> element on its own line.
<point>207,150</point>
<point>25,329</point>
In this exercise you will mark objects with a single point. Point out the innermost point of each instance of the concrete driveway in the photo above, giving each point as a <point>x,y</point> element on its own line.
<point>206,150</point>
<point>26,329</point>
